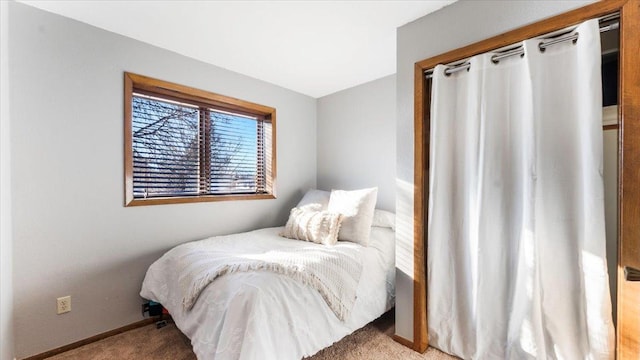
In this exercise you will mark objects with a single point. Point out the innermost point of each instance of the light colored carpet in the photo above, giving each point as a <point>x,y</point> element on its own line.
<point>371,342</point>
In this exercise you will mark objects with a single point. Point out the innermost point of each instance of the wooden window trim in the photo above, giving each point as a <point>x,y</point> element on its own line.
<point>149,86</point>
<point>628,325</point>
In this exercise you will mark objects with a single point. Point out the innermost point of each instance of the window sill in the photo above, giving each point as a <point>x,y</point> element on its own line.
<point>196,199</point>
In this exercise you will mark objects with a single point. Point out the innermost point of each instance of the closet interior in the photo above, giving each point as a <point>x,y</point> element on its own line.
<point>610,41</point>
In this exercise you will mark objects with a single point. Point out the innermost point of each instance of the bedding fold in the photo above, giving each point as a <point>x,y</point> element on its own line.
<point>333,273</point>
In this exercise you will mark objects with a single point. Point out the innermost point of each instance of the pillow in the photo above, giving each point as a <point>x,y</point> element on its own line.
<point>311,223</point>
<point>357,207</point>
<point>314,196</point>
<point>382,218</point>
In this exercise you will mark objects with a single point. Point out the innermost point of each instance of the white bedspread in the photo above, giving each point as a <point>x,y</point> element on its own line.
<point>332,271</point>
<point>265,315</point>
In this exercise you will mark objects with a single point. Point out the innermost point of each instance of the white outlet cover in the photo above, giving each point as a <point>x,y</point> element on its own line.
<point>64,304</point>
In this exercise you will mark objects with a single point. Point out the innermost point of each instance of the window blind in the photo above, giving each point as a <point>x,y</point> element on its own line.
<point>184,149</point>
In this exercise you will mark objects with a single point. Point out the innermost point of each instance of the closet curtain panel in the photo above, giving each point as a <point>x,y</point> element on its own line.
<point>516,265</point>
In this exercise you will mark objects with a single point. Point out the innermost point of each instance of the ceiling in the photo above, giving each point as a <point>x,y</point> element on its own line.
<point>312,47</point>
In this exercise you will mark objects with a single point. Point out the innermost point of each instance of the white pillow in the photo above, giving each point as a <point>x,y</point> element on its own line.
<point>310,223</point>
<point>357,207</point>
<point>314,196</point>
<point>382,218</point>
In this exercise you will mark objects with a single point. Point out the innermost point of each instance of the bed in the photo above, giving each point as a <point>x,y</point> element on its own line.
<point>265,314</point>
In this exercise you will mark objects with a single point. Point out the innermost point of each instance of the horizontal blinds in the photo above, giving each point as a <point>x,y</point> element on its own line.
<point>165,148</point>
<point>181,149</point>
<point>234,154</point>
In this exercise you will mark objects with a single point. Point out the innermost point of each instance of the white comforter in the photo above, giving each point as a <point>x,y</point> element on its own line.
<point>263,315</point>
<point>333,271</point>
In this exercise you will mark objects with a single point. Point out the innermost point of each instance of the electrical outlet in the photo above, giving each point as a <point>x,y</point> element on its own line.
<point>64,304</point>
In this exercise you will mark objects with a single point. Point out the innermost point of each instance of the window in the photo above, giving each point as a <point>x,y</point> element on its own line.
<point>188,145</point>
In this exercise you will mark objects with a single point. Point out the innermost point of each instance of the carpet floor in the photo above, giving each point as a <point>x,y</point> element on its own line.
<point>371,342</point>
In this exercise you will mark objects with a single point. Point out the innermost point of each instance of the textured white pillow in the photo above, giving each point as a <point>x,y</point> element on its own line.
<point>314,196</point>
<point>357,207</point>
<point>383,218</point>
<point>311,223</point>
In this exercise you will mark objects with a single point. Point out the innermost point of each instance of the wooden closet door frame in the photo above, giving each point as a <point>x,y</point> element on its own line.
<point>628,295</point>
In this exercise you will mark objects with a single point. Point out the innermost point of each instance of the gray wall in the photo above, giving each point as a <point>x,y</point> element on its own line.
<point>457,25</point>
<point>72,235</point>
<point>6,242</point>
<point>356,139</point>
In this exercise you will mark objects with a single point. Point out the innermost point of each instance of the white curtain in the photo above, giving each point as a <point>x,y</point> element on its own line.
<point>516,236</point>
